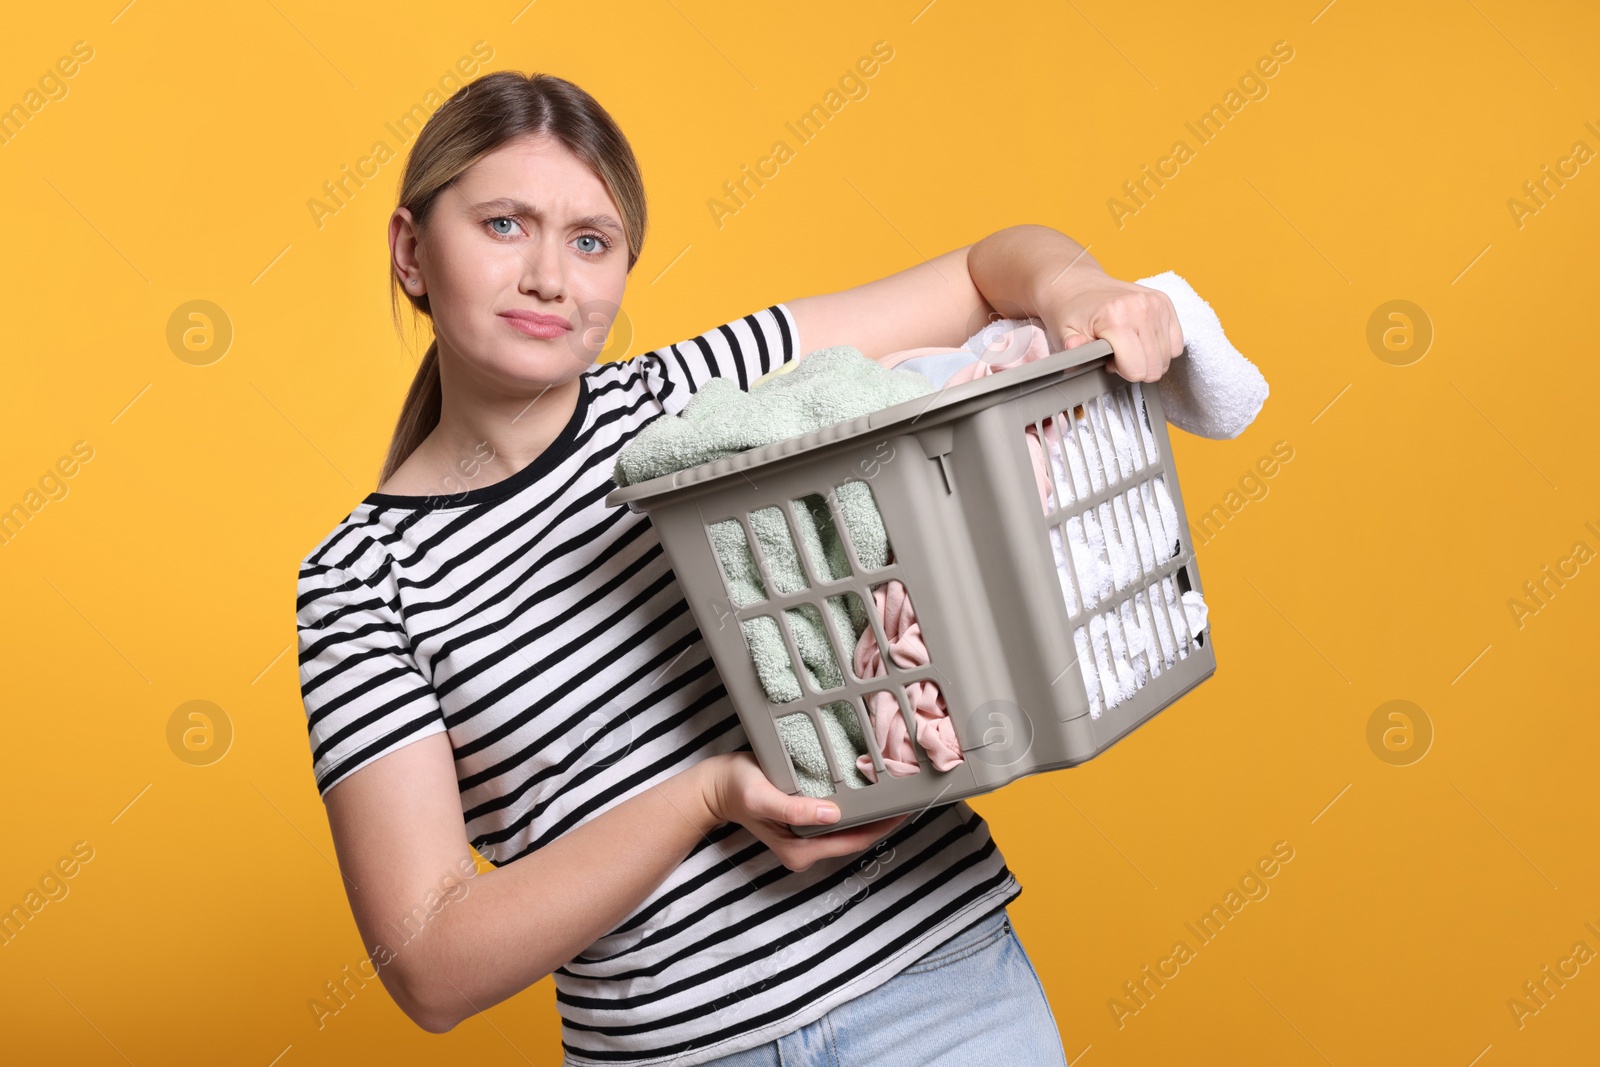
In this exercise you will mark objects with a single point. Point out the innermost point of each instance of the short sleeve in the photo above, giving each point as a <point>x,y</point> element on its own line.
<point>363,692</point>
<point>742,350</point>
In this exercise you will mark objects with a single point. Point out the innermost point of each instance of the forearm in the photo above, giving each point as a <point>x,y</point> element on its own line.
<point>521,921</point>
<point>1021,269</point>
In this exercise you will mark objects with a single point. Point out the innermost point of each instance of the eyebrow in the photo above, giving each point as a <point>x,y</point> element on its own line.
<point>512,206</point>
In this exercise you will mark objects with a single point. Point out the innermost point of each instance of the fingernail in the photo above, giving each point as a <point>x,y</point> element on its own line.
<point>827,813</point>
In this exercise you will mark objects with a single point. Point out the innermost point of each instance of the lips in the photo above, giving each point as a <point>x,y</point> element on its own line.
<point>533,324</point>
<point>534,318</point>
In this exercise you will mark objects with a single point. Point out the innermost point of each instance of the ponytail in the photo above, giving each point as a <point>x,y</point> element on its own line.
<point>419,414</point>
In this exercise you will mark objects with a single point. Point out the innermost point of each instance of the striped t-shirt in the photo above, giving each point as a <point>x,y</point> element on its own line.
<point>545,633</point>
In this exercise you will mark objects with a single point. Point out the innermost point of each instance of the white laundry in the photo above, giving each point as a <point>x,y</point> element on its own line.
<point>1114,549</point>
<point>1194,606</point>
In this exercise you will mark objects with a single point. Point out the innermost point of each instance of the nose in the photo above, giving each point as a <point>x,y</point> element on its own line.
<point>544,269</point>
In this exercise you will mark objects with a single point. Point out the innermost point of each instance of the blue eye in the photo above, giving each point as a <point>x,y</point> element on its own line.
<point>605,242</point>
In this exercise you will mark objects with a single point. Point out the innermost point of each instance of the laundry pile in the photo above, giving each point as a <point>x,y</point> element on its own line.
<point>1099,553</point>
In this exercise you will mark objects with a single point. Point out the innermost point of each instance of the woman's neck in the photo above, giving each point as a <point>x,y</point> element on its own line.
<point>485,439</point>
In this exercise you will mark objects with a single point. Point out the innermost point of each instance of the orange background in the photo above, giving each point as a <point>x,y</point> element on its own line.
<point>1377,564</point>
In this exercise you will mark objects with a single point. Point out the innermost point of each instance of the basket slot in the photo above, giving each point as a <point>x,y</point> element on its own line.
<point>1072,453</point>
<point>1095,526</point>
<point>1129,458</point>
<point>1100,644</point>
<point>1127,541</point>
<point>842,646</point>
<point>859,565</point>
<point>812,569</point>
<point>1168,513</point>
<point>847,539</point>
<point>1148,454</point>
<point>1145,548</point>
<point>1152,547</point>
<point>1121,403</point>
<point>1116,548</point>
<point>1146,618</point>
<point>1050,500</point>
<point>1164,632</point>
<point>1132,623</point>
<point>1175,616</point>
<point>1094,457</point>
<point>1175,612</point>
<point>798,731</point>
<point>873,749</point>
<point>850,606</point>
<point>1080,641</point>
<point>1147,432</point>
<point>1117,467</point>
<point>813,618</point>
<point>1082,602</point>
<point>1058,496</point>
<point>1061,552</point>
<point>1182,576</point>
<point>1180,621</point>
<point>757,556</point>
<point>713,530</point>
<point>901,707</point>
<point>936,693</point>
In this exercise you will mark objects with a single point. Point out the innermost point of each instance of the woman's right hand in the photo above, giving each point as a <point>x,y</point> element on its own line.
<point>736,790</point>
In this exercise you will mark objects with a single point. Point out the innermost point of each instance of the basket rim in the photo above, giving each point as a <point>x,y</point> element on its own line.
<point>1076,361</point>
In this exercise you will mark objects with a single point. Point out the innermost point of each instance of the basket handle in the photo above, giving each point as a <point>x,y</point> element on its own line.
<point>1078,356</point>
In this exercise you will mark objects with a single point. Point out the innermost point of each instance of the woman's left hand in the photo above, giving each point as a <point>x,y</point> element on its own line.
<point>1140,323</point>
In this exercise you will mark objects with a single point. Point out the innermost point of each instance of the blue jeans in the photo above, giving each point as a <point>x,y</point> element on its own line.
<point>974,999</point>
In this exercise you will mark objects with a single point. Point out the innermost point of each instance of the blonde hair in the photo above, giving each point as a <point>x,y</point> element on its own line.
<point>483,115</point>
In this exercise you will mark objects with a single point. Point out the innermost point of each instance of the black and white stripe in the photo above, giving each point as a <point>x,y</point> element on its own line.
<point>547,635</point>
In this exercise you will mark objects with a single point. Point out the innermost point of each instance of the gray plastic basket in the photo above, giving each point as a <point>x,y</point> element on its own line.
<point>955,486</point>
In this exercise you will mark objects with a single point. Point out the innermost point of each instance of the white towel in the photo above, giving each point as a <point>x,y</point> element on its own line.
<point>1211,390</point>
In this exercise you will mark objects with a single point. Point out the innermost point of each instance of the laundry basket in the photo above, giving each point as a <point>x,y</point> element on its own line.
<point>994,565</point>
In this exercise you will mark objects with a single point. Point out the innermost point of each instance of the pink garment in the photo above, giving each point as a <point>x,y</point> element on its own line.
<point>895,358</point>
<point>935,733</point>
<point>1021,344</point>
<point>1012,349</point>
<point>1024,344</point>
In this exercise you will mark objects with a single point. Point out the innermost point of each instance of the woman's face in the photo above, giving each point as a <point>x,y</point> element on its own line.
<point>528,229</point>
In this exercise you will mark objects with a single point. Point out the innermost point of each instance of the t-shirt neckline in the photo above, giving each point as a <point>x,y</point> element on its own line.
<point>541,465</point>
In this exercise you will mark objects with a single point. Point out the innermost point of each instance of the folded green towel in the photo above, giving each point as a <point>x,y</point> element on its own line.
<point>828,386</point>
<point>765,640</point>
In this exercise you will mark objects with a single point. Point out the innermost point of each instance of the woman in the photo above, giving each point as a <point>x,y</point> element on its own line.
<point>491,655</point>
